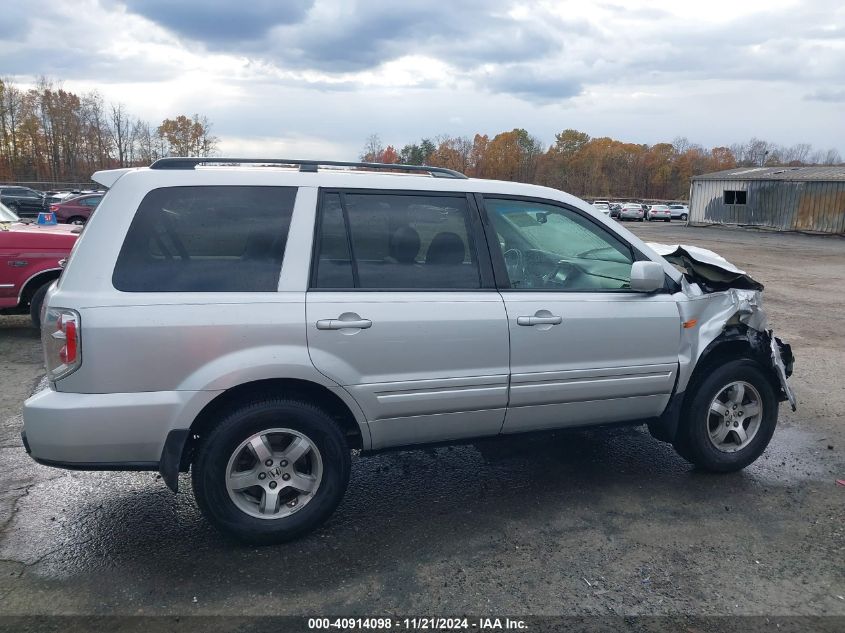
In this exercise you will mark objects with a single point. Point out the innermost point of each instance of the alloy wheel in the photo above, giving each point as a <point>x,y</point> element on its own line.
<point>274,473</point>
<point>734,416</point>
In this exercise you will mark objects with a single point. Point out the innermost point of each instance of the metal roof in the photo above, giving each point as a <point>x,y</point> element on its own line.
<point>816,172</point>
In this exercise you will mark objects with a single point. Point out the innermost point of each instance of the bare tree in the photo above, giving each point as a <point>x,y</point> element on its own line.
<point>373,149</point>
<point>831,157</point>
<point>120,130</point>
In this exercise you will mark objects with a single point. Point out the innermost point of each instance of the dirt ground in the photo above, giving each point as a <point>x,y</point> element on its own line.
<point>579,523</point>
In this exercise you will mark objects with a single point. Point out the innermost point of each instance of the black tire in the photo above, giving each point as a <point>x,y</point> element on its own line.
<point>693,442</point>
<point>36,302</point>
<point>641,220</point>
<point>684,217</point>
<point>668,220</point>
<point>77,219</point>
<point>213,453</point>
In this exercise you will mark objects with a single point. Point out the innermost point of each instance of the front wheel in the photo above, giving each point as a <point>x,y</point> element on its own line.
<point>271,470</point>
<point>730,419</point>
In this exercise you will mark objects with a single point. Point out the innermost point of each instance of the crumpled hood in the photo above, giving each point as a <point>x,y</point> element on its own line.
<point>709,270</point>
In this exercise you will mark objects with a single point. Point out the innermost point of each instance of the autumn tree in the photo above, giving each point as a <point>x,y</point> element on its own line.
<point>186,136</point>
<point>389,155</point>
<point>512,156</point>
<point>452,153</point>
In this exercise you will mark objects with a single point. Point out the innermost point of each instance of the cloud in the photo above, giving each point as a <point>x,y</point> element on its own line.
<point>355,35</point>
<point>221,22</point>
<point>16,21</point>
<point>340,69</point>
<point>540,84</point>
<point>827,95</point>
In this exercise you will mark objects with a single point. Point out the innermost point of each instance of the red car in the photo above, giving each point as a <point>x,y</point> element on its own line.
<point>30,260</point>
<point>76,210</point>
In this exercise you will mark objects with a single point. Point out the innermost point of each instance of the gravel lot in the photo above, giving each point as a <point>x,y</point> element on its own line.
<point>579,523</point>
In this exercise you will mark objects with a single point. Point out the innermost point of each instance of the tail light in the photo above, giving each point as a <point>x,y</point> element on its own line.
<point>54,208</point>
<point>60,338</point>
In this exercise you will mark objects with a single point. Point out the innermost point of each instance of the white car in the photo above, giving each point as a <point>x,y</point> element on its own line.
<point>659,212</point>
<point>632,211</point>
<point>679,211</point>
<point>603,207</point>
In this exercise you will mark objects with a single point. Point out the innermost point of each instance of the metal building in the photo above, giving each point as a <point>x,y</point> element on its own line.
<point>785,198</point>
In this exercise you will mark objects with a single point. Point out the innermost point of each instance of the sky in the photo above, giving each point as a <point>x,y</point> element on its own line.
<point>314,78</point>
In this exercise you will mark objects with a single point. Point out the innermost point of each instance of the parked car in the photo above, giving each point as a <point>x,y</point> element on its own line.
<point>659,212</point>
<point>54,197</point>
<point>615,208</point>
<point>602,208</point>
<point>348,309</point>
<point>25,202</point>
<point>679,211</point>
<point>76,210</point>
<point>31,258</point>
<point>632,211</point>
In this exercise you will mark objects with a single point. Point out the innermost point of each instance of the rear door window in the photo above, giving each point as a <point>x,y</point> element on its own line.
<point>206,239</point>
<point>396,241</point>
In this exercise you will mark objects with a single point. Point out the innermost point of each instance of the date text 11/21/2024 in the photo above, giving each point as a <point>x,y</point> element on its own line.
<point>417,624</point>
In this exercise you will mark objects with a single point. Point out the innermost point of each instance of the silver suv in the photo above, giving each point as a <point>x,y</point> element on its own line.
<point>254,324</point>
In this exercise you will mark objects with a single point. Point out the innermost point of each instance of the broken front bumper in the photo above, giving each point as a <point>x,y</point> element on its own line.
<point>783,361</point>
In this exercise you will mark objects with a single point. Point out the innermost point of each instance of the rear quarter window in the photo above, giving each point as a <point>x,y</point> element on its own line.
<point>206,239</point>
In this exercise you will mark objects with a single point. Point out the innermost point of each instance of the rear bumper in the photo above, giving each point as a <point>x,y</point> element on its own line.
<point>125,431</point>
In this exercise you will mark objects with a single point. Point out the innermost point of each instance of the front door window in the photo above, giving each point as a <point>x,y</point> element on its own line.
<point>546,247</point>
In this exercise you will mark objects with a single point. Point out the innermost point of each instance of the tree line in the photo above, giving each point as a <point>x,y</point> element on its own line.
<point>593,167</point>
<point>49,134</point>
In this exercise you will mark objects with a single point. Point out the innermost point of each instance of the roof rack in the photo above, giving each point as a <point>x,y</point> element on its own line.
<point>304,165</point>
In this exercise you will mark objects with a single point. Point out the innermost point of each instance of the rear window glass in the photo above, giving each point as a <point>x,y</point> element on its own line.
<point>206,239</point>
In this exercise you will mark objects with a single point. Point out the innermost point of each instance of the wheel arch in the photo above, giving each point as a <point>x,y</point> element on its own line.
<point>37,280</point>
<point>734,343</point>
<point>180,444</point>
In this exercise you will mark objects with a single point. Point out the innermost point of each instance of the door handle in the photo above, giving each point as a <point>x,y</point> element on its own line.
<point>539,320</point>
<point>338,324</point>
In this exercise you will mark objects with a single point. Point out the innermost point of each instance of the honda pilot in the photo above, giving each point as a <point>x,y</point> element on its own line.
<point>255,323</point>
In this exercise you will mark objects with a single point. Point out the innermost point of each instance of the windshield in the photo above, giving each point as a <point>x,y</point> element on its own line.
<point>7,215</point>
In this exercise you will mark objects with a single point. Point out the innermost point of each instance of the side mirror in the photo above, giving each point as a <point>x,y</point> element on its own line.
<point>647,276</point>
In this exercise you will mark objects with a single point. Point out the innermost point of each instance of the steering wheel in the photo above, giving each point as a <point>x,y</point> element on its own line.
<point>515,263</point>
<point>572,273</point>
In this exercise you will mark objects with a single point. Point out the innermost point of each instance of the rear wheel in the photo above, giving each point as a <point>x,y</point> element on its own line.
<point>684,217</point>
<point>730,419</point>
<point>36,302</point>
<point>78,220</point>
<point>668,220</point>
<point>271,470</point>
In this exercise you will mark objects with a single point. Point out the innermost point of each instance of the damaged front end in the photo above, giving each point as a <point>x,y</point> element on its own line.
<point>722,316</point>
